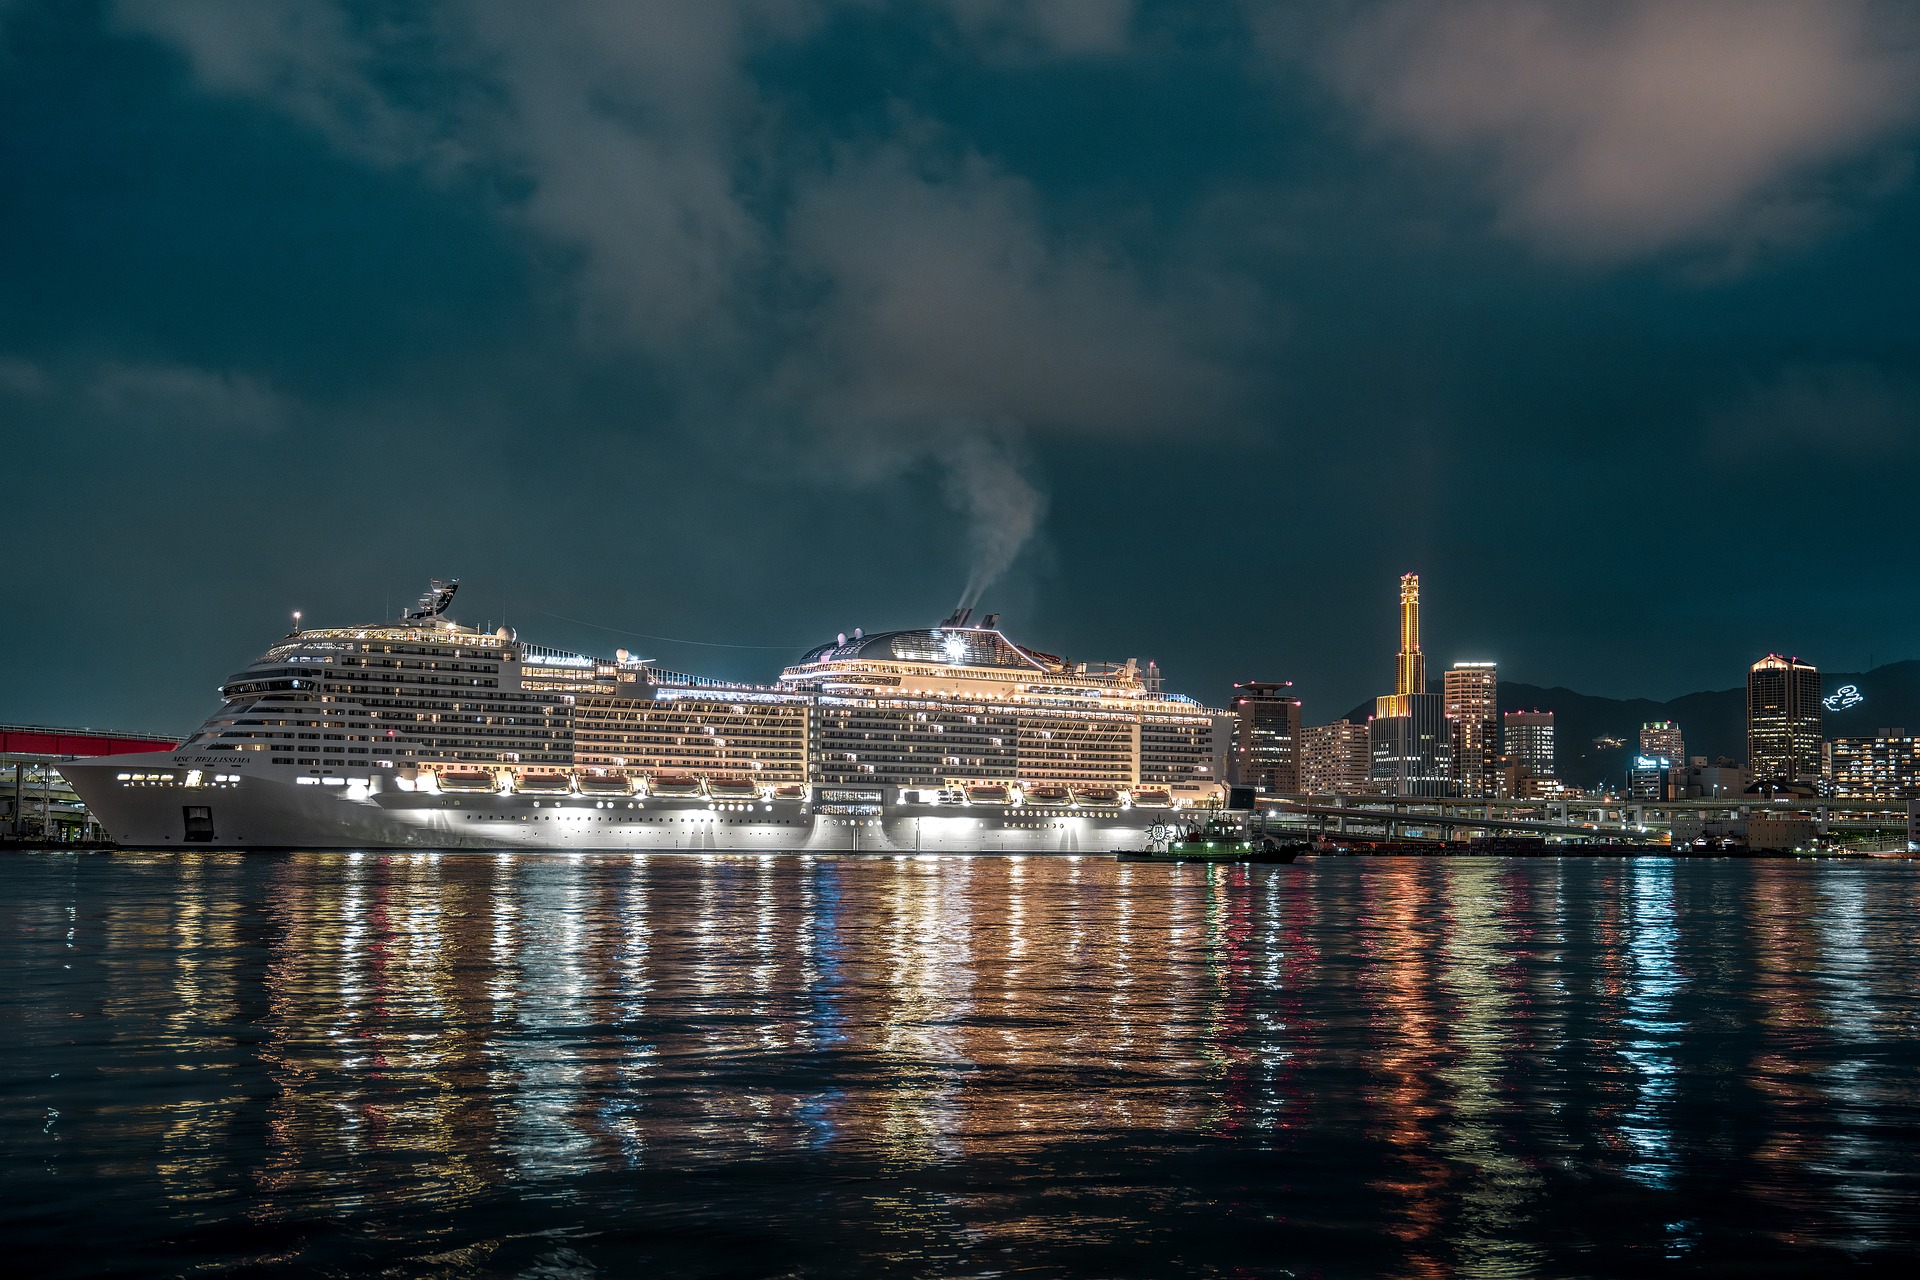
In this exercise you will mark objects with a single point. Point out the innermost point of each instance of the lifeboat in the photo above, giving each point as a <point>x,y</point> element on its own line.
<point>790,791</point>
<point>467,780</point>
<point>544,784</point>
<point>676,785</point>
<point>732,789</point>
<point>989,793</point>
<point>1153,798</point>
<point>1049,796</point>
<point>1199,795</point>
<point>598,786</point>
<point>1105,797</point>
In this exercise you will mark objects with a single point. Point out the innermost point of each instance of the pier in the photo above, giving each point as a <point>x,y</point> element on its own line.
<point>1867,824</point>
<point>36,804</point>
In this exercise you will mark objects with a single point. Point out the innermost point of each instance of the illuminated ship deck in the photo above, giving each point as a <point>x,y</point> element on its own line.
<point>426,733</point>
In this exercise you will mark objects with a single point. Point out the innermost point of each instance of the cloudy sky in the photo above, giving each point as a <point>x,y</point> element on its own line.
<point>1170,330</point>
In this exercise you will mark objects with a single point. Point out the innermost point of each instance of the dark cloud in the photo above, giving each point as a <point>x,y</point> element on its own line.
<point>944,310</point>
<point>1072,27</point>
<point>1178,330</point>
<point>944,299</point>
<point>1613,130</point>
<point>149,397</point>
<point>1842,415</point>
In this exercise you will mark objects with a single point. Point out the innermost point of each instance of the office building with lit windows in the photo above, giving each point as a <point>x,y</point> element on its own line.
<point>1650,778</point>
<point>1471,692</point>
<point>1336,758</point>
<point>1527,738</point>
<point>1883,767</point>
<point>1663,738</point>
<point>1266,737</point>
<point>1784,722</point>
<point>1657,769</point>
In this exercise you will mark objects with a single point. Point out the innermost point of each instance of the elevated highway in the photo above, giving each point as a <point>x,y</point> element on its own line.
<point>1577,818</point>
<point>39,804</point>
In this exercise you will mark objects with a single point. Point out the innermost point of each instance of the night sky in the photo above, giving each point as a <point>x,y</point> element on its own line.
<point>1179,331</point>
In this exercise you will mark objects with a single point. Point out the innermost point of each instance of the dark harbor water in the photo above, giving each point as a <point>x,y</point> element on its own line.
<point>478,1065</point>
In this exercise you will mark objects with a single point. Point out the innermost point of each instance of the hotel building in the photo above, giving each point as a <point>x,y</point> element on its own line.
<point>1266,737</point>
<point>1336,758</point>
<point>1528,741</point>
<point>1471,692</point>
<point>1784,722</point>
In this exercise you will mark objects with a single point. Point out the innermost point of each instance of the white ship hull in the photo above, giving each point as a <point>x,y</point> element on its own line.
<point>275,810</point>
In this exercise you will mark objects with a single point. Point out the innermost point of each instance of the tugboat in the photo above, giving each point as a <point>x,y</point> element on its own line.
<point>1218,839</point>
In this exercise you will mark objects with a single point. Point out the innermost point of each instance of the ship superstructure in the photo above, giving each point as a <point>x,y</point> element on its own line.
<point>424,733</point>
<point>959,705</point>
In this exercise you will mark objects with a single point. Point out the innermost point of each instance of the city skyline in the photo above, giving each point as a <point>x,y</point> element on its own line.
<point>1312,710</point>
<point>1473,738</point>
<point>699,323</point>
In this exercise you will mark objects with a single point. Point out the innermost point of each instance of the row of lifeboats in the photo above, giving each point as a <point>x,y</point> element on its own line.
<point>686,786</point>
<point>666,785</point>
<point>1054,795</point>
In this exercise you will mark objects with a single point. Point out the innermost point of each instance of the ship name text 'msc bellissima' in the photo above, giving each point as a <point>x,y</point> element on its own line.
<point>423,733</point>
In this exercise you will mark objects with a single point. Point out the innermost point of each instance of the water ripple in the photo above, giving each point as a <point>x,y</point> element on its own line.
<point>524,1064</point>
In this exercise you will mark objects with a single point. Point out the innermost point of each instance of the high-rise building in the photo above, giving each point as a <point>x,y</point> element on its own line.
<point>1410,664</point>
<point>1266,737</point>
<point>1883,767</point>
<point>1471,693</point>
<point>1662,738</point>
<point>1412,752</point>
<point>1657,771</point>
<point>1336,758</point>
<point>1410,743</point>
<point>1783,721</point>
<point>1527,737</point>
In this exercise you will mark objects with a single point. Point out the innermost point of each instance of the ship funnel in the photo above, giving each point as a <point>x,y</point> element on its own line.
<point>991,622</point>
<point>434,602</point>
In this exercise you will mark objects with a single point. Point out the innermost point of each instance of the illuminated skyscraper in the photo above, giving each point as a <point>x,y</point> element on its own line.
<point>1783,721</point>
<point>1471,694</point>
<point>1410,667</point>
<point>1529,742</point>
<point>1661,739</point>
<point>1266,737</point>
<point>1336,757</point>
<point>1411,744</point>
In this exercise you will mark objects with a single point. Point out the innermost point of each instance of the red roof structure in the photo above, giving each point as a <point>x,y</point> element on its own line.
<point>39,740</point>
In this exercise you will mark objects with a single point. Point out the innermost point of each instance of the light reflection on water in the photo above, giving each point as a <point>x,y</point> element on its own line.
<point>1652,1024</point>
<point>484,1064</point>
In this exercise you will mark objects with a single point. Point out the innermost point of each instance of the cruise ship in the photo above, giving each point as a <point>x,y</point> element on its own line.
<point>423,733</point>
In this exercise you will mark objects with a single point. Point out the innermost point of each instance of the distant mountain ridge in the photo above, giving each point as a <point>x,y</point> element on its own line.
<point>1713,724</point>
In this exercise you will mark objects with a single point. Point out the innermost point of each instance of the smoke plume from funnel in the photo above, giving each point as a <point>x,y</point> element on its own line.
<point>987,483</point>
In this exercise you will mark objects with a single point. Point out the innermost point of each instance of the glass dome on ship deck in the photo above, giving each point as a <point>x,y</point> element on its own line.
<point>947,646</point>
